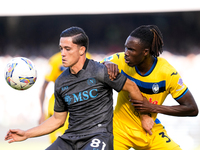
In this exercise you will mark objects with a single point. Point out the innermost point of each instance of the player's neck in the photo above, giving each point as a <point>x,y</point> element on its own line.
<point>146,65</point>
<point>78,66</point>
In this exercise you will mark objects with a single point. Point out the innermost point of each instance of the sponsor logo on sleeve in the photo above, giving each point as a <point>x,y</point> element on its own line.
<point>180,82</point>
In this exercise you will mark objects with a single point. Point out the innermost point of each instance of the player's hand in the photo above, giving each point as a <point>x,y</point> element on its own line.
<point>112,68</point>
<point>147,123</point>
<point>15,135</point>
<point>143,106</point>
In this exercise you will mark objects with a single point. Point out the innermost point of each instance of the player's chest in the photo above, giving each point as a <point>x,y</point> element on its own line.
<point>81,91</point>
<point>150,84</point>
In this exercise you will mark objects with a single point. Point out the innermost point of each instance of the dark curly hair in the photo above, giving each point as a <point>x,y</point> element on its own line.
<point>151,37</point>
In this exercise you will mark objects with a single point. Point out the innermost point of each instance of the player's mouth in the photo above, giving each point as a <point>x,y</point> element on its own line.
<point>63,60</point>
<point>126,60</point>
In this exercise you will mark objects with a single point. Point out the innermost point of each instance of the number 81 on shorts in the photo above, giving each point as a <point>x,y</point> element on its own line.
<point>96,144</point>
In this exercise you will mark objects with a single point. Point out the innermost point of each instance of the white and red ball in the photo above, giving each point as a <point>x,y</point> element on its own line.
<point>20,73</point>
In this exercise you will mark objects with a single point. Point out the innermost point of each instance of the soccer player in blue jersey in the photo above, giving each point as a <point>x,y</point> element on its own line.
<point>156,79</point>
<point>85,91</point>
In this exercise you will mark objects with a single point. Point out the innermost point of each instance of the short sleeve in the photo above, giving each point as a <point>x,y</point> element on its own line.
<point>117,58</point>
<point>177,86</point>
<point>116,84</point>
<point>60,105</point>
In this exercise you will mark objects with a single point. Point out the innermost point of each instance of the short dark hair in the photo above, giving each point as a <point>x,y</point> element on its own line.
<point>78,35</point>
<point>151,37</point>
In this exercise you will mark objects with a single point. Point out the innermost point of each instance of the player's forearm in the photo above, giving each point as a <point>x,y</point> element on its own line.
<point>41,102</point>
<point>133,90</point>
<point>46,127</point>
<point>179,110</point>
<point>42,94</point>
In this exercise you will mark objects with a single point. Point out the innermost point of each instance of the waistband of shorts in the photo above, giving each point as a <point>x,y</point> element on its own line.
<point>79,133</point>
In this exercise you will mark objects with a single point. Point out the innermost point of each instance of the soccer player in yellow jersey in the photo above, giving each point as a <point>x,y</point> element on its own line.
<point>55,69</point>
<point>156,78</point>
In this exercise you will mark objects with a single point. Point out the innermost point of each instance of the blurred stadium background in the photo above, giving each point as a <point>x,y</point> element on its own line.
<point>32,29</point>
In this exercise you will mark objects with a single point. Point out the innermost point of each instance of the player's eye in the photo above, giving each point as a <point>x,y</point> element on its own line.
<point>60,48</point>
<point>67,49</point>
<point>127,48</point>
<point>130,49</point>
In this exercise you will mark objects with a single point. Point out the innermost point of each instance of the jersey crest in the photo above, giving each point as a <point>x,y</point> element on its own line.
<point>155,88</point>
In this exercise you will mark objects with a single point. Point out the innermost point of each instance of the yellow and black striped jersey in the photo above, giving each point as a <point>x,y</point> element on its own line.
<point>162,79</point>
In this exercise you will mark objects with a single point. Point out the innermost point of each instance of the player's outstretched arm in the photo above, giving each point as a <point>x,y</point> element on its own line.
<point>15,135</point>
<point>42,95</point>
<point>134,92</point>
<point>50,125</point>
<point>187,107</point>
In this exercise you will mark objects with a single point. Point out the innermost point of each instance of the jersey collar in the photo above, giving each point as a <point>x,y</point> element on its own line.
<point>150,70</point>
<point>86,63</point>
<point>84,67</point>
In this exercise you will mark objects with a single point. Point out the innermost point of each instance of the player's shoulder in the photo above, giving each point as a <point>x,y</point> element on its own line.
<point>62,76</point>
<point>95,65</point>
<point>96,69</point>
<point>161,59</point>
<point>164,65</point>
<point>163,62</point>
<point>115,56</point>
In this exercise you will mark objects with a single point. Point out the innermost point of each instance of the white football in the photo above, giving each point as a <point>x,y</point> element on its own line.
<point>20,73</point>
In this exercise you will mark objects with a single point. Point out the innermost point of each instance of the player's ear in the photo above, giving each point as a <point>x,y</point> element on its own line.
<point>146,51</point>
<point>82,50</point>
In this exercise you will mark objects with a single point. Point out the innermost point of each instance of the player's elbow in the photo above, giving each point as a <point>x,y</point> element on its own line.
<point>58,120</point>
<point>194,111</point>
<point>62,124</point>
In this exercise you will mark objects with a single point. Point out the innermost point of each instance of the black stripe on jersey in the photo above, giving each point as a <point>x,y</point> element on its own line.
<point>150,91</point>
<point>148,87</point>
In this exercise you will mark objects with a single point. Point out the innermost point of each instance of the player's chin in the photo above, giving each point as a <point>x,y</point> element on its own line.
<point>130,64</point>
<point>65,64</point>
